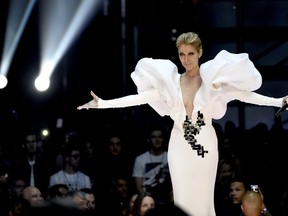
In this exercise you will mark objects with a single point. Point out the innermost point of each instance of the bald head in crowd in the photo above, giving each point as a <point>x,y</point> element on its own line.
<point>252,204</point>
<point>34,196</point>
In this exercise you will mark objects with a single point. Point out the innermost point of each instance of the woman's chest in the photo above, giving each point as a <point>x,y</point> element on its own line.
<point>189,89</point>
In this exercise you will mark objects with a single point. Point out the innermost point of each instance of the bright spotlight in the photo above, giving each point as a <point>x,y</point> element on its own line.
<point>42,83</point>
<point>61,22</point>
<point>18,15</point>
<point>45,132</point>
<point>3,81</point>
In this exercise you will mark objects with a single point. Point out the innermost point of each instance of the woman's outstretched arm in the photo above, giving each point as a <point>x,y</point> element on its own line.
<point>126,101</point>
<point>258,99</point>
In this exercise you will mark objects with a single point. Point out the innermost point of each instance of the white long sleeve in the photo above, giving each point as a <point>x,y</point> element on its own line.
<point>130,100</point>
<point>257,99</point>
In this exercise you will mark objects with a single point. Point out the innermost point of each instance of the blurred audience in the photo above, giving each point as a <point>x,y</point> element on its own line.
<point>142,204</point>
<point>110,176</point>
<point>113,160</point>
<point>151,170</point>
<point>29,162</point>
<point>70,174</point>
<point>232,206</point>
<point>57,192</point>
<point>253,204</point>
<point>116,200</point>
<point>34,196</point>
<point>226,172</point>
<point>84,200</point>
<point>88,163</point>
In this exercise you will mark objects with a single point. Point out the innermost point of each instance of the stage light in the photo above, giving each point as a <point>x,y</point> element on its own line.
<point>60,24</point>
<point>3,81</point>
<point>42,83</point>
<point>19,12</point>
<point>45,132</point>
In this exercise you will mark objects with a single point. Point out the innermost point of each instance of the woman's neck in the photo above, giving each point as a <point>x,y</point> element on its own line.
<point>192,73</point>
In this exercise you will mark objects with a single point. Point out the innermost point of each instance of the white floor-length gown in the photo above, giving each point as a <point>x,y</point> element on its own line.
<point>226,77</point>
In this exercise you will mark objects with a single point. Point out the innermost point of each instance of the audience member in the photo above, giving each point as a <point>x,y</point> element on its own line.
<point>151,171</point>
<point>64,206</point>
<point>114,161</point>
<point>34,196</point>
<point>29,163</point>
<point>226,171</point>
<point>88,163</point>
<point>90,199</point>
<point>16,202</point>
<point>70,174</point>
<point>142,204</point>
<point>232,206</point>
<point>15,198</point>
<point>253,204</point>
<point>84,199</point>
<point>118,197</point>
<point>16,187</point>
<point>56,192</point>
<point>69,137</point>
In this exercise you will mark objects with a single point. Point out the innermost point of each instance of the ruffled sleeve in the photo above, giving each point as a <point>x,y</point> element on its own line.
<point>226,72</point>
<point>162,75</point>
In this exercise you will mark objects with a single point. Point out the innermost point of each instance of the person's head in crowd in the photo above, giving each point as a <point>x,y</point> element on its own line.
<point>252,203</point>
<point>156,138</point>
<point>57,191</point>
<point>89,149</point>
<point>115,144</point>
<point>143,202</point>
<point>120,186</point>
<point>30,141</point>
<point>226,171</point>
<point>84,199</point>
<point>17,186</point>
<point>34,196</point>
<point>90,198</point>
<point>72,155</point>
<point>238,187</point>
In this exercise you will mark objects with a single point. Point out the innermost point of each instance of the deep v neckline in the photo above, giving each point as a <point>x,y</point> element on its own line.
<point>182,98</point>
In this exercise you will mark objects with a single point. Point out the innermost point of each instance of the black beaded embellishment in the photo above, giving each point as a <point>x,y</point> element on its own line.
<point>191,130</point>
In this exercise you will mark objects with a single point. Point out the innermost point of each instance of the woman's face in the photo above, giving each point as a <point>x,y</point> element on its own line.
<point>147,203</point>
<point>189,57</point>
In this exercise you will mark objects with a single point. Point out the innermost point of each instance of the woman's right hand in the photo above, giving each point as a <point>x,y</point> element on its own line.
<point>91,104</point>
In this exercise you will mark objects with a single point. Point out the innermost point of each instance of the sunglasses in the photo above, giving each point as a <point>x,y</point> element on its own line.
<point>75,156</point>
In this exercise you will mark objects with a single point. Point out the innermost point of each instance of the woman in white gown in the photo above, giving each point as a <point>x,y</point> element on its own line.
<point>192,100</point>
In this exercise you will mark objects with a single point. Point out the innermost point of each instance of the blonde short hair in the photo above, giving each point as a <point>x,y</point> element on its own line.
<point>190,38</point>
